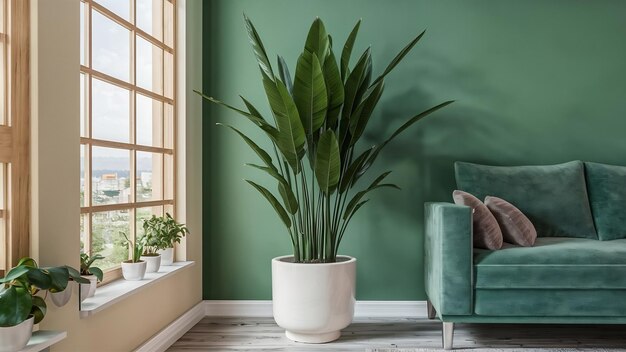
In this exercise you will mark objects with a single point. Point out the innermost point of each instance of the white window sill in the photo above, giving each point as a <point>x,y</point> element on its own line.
<point>116,291</point>
<point>43,339</point>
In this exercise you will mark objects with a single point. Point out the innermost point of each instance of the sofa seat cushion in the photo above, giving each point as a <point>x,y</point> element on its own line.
<point>553,197</point>
<point>550,303</point>
<point>553,263</point>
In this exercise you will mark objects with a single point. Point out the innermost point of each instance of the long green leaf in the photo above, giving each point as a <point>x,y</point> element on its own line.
<point>317,41</point>
<point>353,83</point>
<point>257,120</point>
<point>271,132</point>
<point>39,278</point>
<point>97,272</point>
<point>258,48</point>
<point>291,137</point>
<point>309,93</point>
<point>334,88</point>
<point>347,50</point>
<point>357,197</point>
<point>396,60</point>
<point>272,172</point>
<point>15,305</point>
<point>291,203</point>
<point>328,166</point>
<point>283,71</point>
<point>267,159</point>
<point>406,125</point>
<point>364,111</point>
<point>273,202</point>
<point>348,178</point>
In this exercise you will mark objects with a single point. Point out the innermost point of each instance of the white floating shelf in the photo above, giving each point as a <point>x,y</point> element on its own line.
<point>43,339</point>
<point>116,291</point>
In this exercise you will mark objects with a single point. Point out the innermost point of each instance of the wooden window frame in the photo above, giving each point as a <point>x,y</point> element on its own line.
<point>15,132</point>
<point>89,142</point>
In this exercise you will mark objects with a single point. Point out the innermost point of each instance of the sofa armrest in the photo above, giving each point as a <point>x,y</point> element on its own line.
<point>448,258</point>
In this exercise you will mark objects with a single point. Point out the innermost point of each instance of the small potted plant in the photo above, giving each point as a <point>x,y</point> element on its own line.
<point>60,298</point>
<point>91,273</point>
<point>151,245</point>
<point>21,303</point>
<point>168,232</point>
<point>135,268</point>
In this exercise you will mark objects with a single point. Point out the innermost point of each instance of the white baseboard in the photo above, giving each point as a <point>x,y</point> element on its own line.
<point>171,333</point>
<point>362,309</point>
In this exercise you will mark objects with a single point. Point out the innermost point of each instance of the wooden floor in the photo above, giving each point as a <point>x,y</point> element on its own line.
<point>262,334</point>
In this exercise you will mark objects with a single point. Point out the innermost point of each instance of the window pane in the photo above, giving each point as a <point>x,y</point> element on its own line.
<point>168,175</point>
<point>149,121</point>
<point>3,82</point>
<point>83,231</point>
<point>106,237</point>
<point>169,76</point>
<point>149,66</point>
<point>110,112</point>
<point>83,106</point>
<point>149,176</point>
<point>146,213</point>
<point>119,7</point>
<point>110,179</point>
<point>83,175</point>
<point>82,34</point>
<point>169,126</point>
<point>110,46</point>
<point>2,217</point>
<point>150,17</point>
<point>168,24</point>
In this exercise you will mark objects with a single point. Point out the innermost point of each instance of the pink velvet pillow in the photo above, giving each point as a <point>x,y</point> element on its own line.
<point>516,227</point>
<point>487,233</point>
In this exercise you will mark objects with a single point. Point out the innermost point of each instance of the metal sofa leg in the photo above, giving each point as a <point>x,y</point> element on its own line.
<point>431,310</point>
<point>448,334</point>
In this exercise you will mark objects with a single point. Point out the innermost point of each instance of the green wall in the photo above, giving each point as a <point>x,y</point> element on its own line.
<point>535,82</point>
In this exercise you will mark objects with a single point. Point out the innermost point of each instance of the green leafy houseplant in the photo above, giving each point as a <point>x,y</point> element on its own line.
<point>136,249</point>
<point>161,232</point>
<point>87,268</point>
<point>20,287</point>
<point>319,116</point>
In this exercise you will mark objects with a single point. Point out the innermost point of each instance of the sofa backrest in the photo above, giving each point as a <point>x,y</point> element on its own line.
<point>554,197</point>
<point>606,185</point>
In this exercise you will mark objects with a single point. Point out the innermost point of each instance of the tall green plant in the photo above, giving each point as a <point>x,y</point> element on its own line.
<point>161,232</point>
<point>320,115</point>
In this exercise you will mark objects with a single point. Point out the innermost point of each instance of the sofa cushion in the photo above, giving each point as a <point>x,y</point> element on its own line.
<point>606,185</point>
<point>550,303</point>
<point>516,227</point>
<point>487,233</point>
<point>554,197</point>
<point>553,263</point>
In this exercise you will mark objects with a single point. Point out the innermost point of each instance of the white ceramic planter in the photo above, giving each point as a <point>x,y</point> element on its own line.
<point>88,290</point>
<point>167,256</point>
<point>313,302</point>
<point>61,298</point>
<point>134,271</point>
<point>15,338</point>
<point>153,263</point>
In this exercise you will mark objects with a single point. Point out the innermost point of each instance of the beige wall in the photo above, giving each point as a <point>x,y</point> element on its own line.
<point>55,180</point>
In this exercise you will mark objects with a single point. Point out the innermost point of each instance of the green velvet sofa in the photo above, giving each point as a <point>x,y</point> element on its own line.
<point>575,273</point>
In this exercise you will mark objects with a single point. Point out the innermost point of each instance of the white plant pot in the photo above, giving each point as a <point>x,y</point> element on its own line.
<point>153,263</point>
<point>88,290</point>
<point>134,271</point>
<point>167,256</point>
<point>15,338</point>
<point>61,298</point>
<point>313,302</point>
